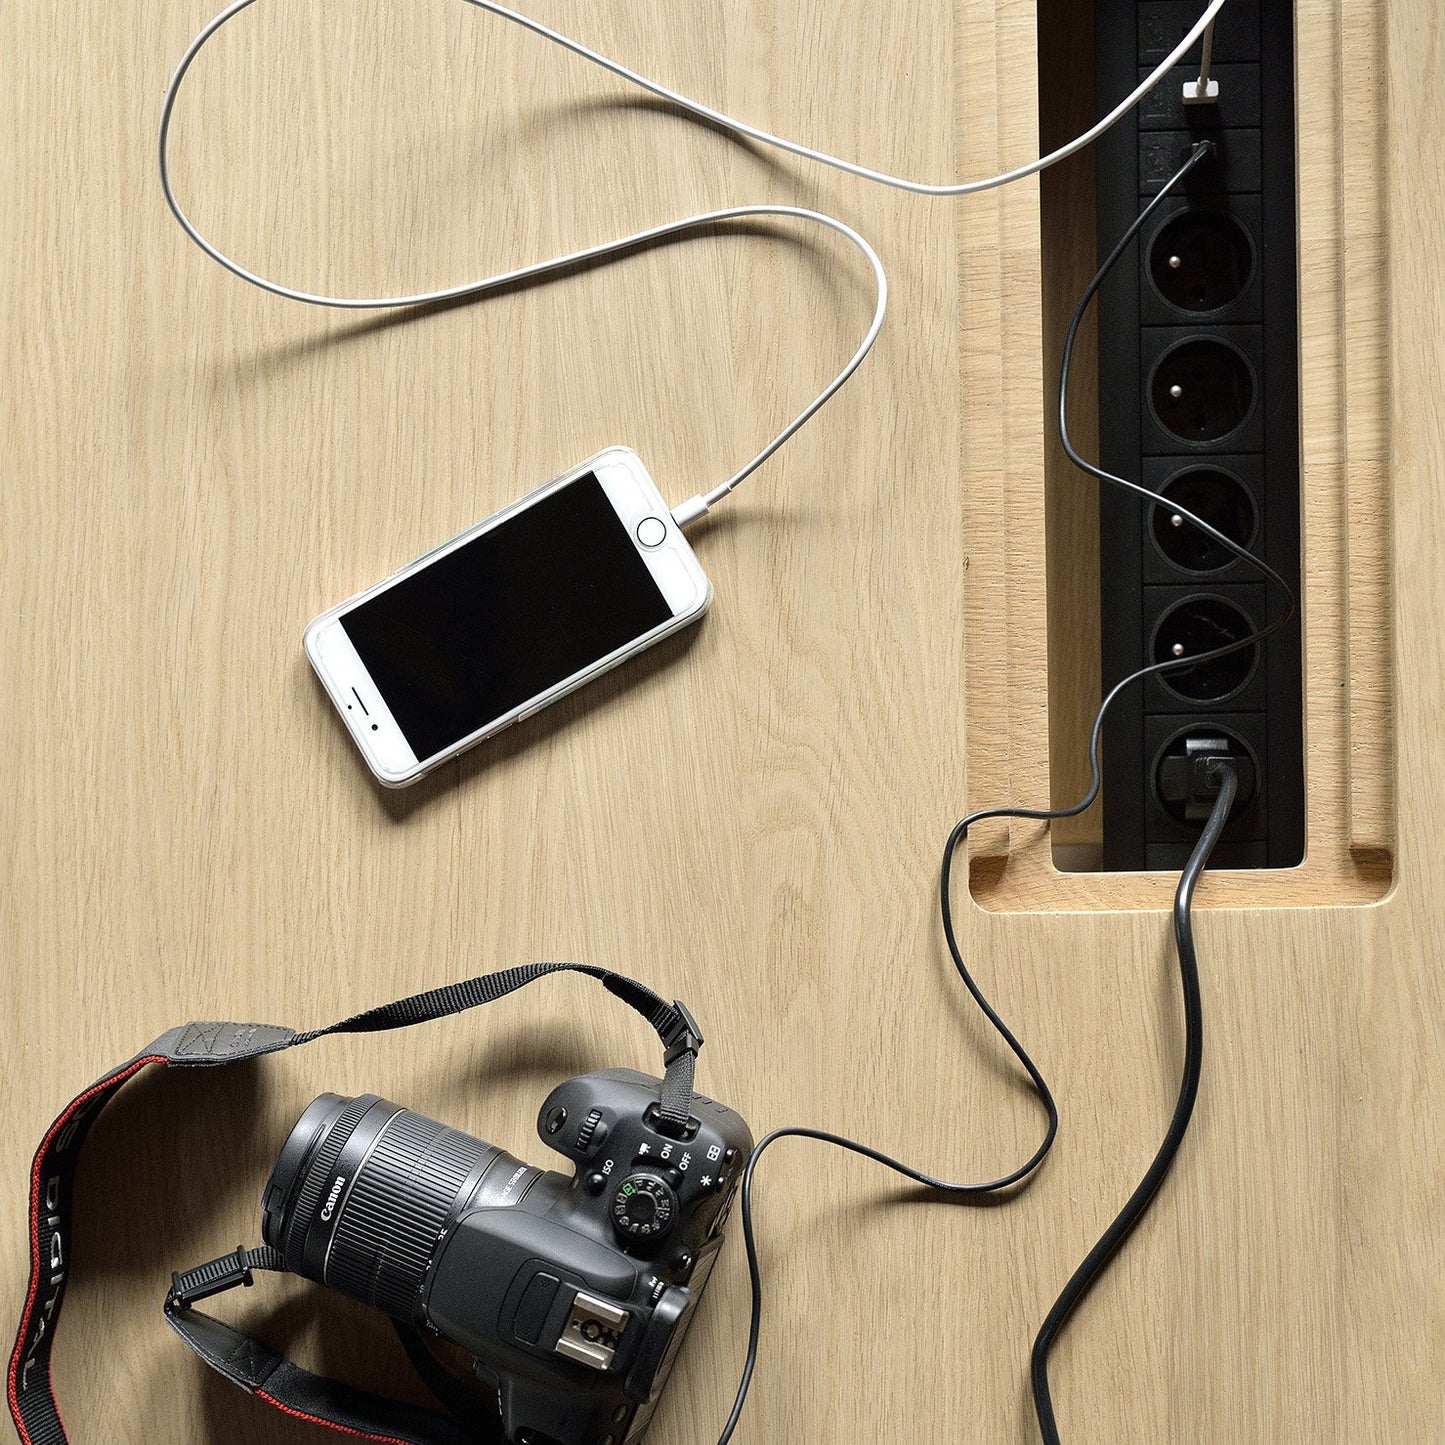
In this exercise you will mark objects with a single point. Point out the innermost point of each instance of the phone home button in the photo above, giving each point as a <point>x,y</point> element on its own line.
<point>652,531</point>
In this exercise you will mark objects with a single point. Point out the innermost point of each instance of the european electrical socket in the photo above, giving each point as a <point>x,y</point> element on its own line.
<point>1198,383</point>
<point>1202,389</point>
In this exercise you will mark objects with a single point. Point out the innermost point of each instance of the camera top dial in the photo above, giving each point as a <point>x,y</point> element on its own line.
<point>643,1207</point>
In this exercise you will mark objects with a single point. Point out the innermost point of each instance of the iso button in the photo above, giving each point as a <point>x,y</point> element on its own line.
<point>643,1208</point>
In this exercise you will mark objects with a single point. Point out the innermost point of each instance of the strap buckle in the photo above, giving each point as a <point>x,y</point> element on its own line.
<point>208,1279</point>
<point>682,1035</point>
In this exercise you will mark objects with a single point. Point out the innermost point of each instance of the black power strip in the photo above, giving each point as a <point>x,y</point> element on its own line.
<point>1199,399</point>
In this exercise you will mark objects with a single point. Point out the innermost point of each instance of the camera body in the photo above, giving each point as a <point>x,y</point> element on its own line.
<point>571,1295</point>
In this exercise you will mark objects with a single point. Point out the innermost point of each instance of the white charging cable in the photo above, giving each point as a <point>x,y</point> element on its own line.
<point>695,507</point>
<point>902,183</point>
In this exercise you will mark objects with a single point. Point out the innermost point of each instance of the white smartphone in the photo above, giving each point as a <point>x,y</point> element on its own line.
<point>511,615</point>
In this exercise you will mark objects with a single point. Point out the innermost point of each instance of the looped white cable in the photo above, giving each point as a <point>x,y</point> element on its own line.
<point>696,506</point>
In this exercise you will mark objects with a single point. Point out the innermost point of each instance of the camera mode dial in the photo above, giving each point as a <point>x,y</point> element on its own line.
<point>643,1208</point>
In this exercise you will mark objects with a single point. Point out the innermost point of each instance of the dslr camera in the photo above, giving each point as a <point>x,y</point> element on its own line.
<point>571,1295</point>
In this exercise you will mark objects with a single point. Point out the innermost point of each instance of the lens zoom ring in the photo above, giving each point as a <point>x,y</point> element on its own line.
<point>319,1178</point>
<point>396,1209</point>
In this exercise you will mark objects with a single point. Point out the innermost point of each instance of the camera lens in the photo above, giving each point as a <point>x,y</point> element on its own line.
<point>363,1190</point>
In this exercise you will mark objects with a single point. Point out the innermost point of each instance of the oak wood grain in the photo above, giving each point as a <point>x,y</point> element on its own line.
<point>751,817</point>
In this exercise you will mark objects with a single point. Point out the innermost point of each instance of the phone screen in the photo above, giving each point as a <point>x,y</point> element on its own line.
<point>506,616</point>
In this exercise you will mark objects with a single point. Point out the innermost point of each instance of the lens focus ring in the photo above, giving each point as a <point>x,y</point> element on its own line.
<point>396,1208</point>
<point>317,1179</point>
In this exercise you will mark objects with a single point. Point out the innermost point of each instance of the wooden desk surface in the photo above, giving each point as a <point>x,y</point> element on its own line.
<point>750,819</point>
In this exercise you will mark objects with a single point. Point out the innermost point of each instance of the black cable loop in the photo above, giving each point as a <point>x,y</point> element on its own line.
<point>1124,1223</point>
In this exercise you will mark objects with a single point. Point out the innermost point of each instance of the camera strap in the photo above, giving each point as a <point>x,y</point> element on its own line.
<point>248,1363</point>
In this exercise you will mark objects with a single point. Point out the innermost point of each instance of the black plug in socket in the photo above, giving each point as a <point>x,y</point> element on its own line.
<point>1237,163</point>
<point>1187,777</point>
<point>1190,774</point>
<point>1242,736</point>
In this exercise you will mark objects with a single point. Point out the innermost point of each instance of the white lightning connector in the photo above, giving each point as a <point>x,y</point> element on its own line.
<point>1203,91</point>
<point>688,512</point>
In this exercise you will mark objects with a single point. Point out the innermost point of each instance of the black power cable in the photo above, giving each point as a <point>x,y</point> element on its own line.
<point>1139,1201</point>
<point>1097,1259</point>
<point>1133,1211</point>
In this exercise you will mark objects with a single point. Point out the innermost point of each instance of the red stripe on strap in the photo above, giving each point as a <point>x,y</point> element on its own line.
<point>329,1424</point>
<point>76,1104</point>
